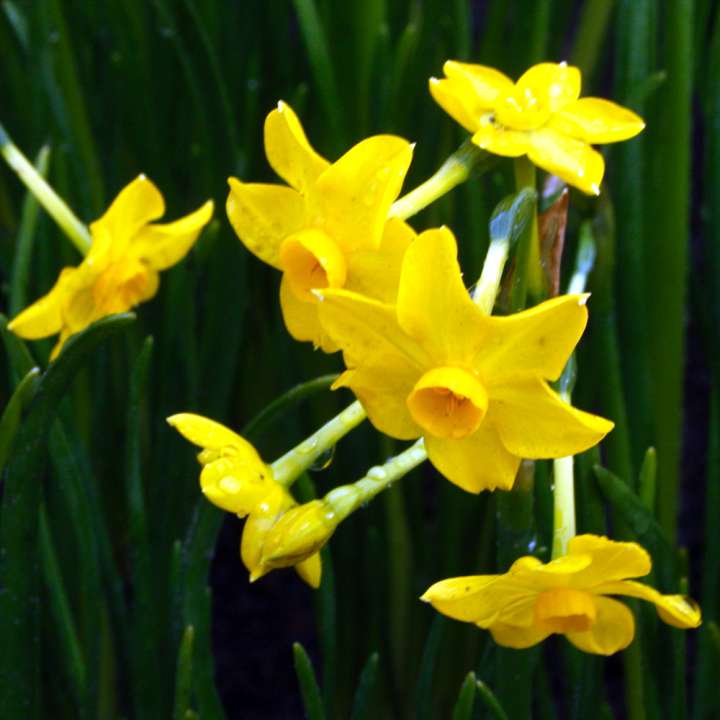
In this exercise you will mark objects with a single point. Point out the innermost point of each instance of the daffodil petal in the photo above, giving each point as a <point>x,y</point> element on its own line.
<point>611,560</point>
<point>516,636</point>
<point>594,120</point>
<point>535,423</point>
<point>554,84</point>
<point>486,82</point>
<point>137,204</point>
<point>476,598</point>
<point>205,433</point>
<point>257,526</point>
<point>355,193</point>
<point>500,140</point>
<point>433,305</point>
<point>573,161</point>
<point>382,387</point>
<point>310,570</point>
<point>364,328</point>
<point>234,484</point>
<point>263,216</point>
<point>613,629</point>
<point>538,340</point>
<point>477,462</point>
<point>457,100</point>
<point>288,151</point>
<point>376,273</point>
<point>302,319</point>
<point>162,246</point>
<point>676,610</point>
<point>44,316</point>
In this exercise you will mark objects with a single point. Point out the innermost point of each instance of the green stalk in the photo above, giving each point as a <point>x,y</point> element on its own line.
<point>454,171</point>
<point>526,177</point>
<point>590,35</point>
<point>56,207</point>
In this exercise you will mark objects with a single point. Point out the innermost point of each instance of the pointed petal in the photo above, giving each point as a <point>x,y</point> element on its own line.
<point>235,484</point>
<point>477,462</point>
<point>137,204</point>
<point>573,161</point>
<point>480,599</point>
<point>383,387</point>
<point>486,82</point>
<point>44,316</point>
<point>517,636</point>
<point>554,84</point>
<point>355,194</point>
<point>162,246</point>
<point>263,216</point>
<point>376,273</point>
<point>501,141</point>
<point>458,101</point>
<point>206,433</point>
<point>310,570</point>
<point>433,305</point>
<point>611,560</point>
<point>676,610</point>
<point>535,423</point>
<point>595,121</point>
<point>258,525</point>
<point>364,329</point>
<point>613,629</point>
<point>302,319</point>
<point>288,150</point>
<point>538,340</point>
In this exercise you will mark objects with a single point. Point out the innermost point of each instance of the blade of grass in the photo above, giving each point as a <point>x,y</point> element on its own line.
<point>312,700</point>
<point>183,677</point>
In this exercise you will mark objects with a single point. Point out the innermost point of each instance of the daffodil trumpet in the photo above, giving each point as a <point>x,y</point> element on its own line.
<point>304,530</point>
<point>76,231</point>
<point>464,162</point>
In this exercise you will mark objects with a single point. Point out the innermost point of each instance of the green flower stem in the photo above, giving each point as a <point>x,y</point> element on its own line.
<point>48,198</point>
<point>296,461</point>
<point>563,468</point>
<point>488,285</point>
<point>454,171</point>
<point>344,500</point>
<point>526,176</point>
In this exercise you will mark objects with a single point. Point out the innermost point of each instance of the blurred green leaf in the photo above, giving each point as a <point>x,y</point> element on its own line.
<point>312,699</point>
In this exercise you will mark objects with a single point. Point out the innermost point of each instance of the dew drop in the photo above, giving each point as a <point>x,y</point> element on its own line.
<point>324,460</point>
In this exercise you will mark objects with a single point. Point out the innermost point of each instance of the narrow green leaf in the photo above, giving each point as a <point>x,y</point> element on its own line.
<point>25,240</point>
<point>424,689</point>
<point>73,664</point>
<point>183,677</point>
<point>466,699</point>
<point>491,702</point>
<point>365,688</point>
<point>590,36</point>
<point>287,401</point>
<point>10,420</point>
<point>21,361</point>
<point>648,480</point>
<point>19,563</point>
<point>312,700</point>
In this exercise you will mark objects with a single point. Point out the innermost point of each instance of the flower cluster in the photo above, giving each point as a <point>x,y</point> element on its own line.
<point>426,359</point>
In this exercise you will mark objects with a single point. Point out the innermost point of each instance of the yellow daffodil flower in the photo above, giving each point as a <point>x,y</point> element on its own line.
<point>541,116</point>
<point>568,596</point>
<point>330,228</point>
<point>235,479</point>
<point>121,269</point>
<point>473,385</point>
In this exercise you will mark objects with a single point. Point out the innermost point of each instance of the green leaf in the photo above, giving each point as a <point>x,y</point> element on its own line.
<point>424,689</point>
<point>24,393</point>
<point>19,563</point>
<point>491,702</point>
<point>466,699</point>
<point>183,677</point>
<point>366,686</point>
<point>312,699</point>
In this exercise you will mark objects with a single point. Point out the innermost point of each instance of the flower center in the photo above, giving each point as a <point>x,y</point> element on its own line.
<point>564,610</point>
<point>122,285</point>
<point>448,402</point>
<point>311,260</point>
<point>521,109</point>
